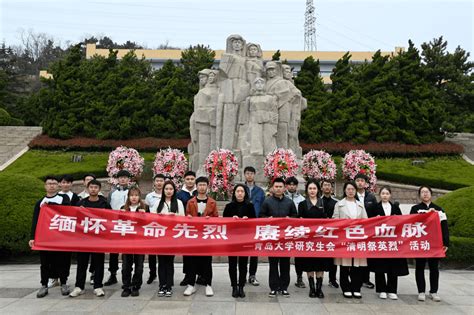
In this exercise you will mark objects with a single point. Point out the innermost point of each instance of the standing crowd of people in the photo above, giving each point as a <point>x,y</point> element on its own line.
<point>249,201</point>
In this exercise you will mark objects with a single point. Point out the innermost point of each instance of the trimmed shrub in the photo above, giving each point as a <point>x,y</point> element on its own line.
<point>461,250</point>
<point>459,208</point>
<point>18,195</point>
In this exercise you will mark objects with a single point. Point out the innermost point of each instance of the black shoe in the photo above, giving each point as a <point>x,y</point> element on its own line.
<point>334,284</point>
<point>285,293</point>
<point>169,292</point>
<point>241,292</point>
<point>319,290</point>
<point>126,292</point>
<point>272,294</point>
<point>200,281</point>
<point>299,283</point>
<point>151,279</point>
<point>368,285</point>
<point>185,282</point>
<point>112,280</point>
<point>235,292</point>
<point>135,292</point>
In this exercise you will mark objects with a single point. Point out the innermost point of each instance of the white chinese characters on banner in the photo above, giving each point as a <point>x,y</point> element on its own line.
<point>63,223</point>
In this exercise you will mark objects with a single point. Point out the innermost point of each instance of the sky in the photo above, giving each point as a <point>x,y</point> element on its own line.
<point>341,25</point>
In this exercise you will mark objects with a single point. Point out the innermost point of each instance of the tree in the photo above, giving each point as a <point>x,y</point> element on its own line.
<point>276,55</point>
<point>452,75</point>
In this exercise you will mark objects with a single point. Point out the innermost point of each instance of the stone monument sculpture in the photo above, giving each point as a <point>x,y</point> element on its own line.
<point>247,106</point>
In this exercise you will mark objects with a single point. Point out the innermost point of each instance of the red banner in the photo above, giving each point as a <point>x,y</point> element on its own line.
<point>76,229</point>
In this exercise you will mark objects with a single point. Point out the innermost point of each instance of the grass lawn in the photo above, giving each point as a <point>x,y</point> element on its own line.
<point>440,172</point>
<point>40,163</point>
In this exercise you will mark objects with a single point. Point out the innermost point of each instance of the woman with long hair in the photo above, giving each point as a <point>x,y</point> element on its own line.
<point>239,208</point>
<point>169,205</point>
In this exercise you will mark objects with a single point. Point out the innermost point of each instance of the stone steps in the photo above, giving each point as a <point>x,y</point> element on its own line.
<point>14,142</point>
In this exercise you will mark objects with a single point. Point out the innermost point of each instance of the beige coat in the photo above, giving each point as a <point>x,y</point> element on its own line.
<point>341,212</point>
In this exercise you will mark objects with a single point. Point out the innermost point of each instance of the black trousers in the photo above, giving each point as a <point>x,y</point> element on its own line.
<point>298,267</point>
<point>113,263</point>
<point>128,260</point>
<point>54,265</point>
<point>332,273</point>
<point>433,264</point>
<point>386,282</point>
<point>253,266</point>
<point>166,270</point>
<point>152,264</point>
<point>97,262</point>
<point>91,266</point>
<point>279,275</point>
<point>354,283</point>
<point>200,265</point>
<point>242,262</point>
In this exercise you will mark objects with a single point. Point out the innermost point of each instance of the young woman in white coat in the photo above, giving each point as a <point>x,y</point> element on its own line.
<point>350,208</point>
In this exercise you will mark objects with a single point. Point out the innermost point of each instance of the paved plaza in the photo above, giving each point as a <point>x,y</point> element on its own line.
<point>19,283</point>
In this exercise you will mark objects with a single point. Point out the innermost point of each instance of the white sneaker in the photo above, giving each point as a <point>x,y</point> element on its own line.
<point>76,292</point>
<point>421,297</point>
<point>393,296</point>
<point>383,295</point>
<point>435,297</point>
<point>209,291</point>
<point>99,292</point>
<point>190,290</point>
<point>53,283</point>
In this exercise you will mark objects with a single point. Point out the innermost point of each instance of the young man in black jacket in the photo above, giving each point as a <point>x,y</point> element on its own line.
<point>370,203</point>
<point>328,203</point>
<point>426,205</point>
<point>94,200</point>
<point>278,205</point>
<point>52,263</point>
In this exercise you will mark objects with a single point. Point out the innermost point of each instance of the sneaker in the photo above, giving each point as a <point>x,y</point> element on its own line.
<point>112,280</point>
<point>42,292</point>
<point>421,297</point>
<point>435,297</point>
<point>53,283</point>
<point>272,294</point>
<point>99,292</point>
<point>169,292</point>
<point>348,295</point>
<point>357,295</point>
<point>135,292</point>
<point>76,292</point>
<point>161,291</point>
<point>299,283</point>
<point>253,281</point>
<point>383,295</point>
<point>393,296</point>
<point>368,285</point>
<point>65,289</point>
<point>190,290</point>
<point>334,284</point>
<point>92,279</point>
<point>285,293</point>
<point>209,291</point>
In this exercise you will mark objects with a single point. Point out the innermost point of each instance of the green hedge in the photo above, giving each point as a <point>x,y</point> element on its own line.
<point>461,250</point>
<point>18,195</point>
<point>459,208</point>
